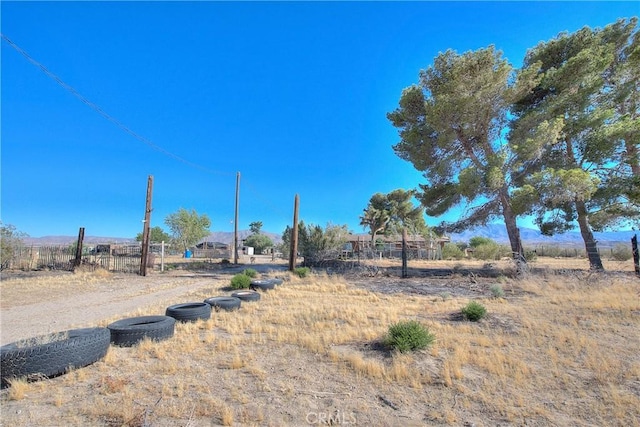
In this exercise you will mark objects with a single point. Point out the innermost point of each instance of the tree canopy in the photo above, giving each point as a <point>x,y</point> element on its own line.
<point>588,172</point>
<point>394,213</point>
<point>187,227</point>
<point>11,240</point>
<point>557,138</point>
<point>452,127</point>
<point>156,235</point>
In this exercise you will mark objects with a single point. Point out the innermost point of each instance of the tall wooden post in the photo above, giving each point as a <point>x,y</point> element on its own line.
<point>636,254</point>
<point>145,228</point>
<point>78,259</point>
<point>293,254</point>
<point>235,221</point>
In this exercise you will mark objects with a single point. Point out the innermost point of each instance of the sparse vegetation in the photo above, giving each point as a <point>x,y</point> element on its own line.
<point>409,336</point>
<point>491,251</point>
<point>474,311</point>
<point>240,281</point>
<point>452,251</point>
<point>496,291</point>
<point>301,271</point>
<point>621,252</point>
<point>224,369</point>
<point>250,272</point>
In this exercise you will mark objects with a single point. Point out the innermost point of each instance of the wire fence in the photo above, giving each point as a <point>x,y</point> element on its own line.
<point>121,259</point>
<point>114,258</point>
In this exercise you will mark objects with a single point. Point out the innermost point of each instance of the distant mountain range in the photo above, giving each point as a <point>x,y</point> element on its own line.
<point>497,232</point>
<point>216,236</point>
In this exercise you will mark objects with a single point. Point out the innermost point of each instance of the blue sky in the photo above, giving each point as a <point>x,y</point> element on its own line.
<point>293,95</point>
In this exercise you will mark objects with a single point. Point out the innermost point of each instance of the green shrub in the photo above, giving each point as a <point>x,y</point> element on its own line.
<point>476,241</point>
<point>621,252</point>
<point>491,251</point>
<point>452,251</point>
<point>497,291</point>
<point>408,336</point>
<point>302,271</point>
<point>240,281</point>
<point>250,272</point>
<point>530,255</point>
<point>474,311</point>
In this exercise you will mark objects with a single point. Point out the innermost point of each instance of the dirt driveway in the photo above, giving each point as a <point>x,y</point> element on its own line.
<point>38,303</point>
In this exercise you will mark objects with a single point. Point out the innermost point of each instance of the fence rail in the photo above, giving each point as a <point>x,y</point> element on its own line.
<point>115,258</point>
<point>124,259</point>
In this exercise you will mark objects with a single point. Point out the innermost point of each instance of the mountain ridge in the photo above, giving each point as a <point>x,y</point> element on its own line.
<point>497,232</point>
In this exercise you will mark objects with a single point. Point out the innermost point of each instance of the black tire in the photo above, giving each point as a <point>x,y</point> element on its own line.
<point>263,285</point>
<point>189,312</point>
<point>128,332</point>
<point>277,282</point>
<point>246,295</point>
<point>79,348</point>
<point>224,303</point>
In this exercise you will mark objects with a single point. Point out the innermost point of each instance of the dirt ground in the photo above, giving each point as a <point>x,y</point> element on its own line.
<point>266,392</point>
<point>27,310</point>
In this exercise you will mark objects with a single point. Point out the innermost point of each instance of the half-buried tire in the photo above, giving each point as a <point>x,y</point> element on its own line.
<point>246,295</point>
<point>224,303</point>
<point>130,331</point>
<point>263,285</point>
<point>189,312</point>
<point>52,355</point>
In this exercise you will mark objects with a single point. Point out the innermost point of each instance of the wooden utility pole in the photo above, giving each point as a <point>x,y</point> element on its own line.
<point>145,228</point>
<point>293,254</point>
<point>235,221</point>
<point>78,259</point>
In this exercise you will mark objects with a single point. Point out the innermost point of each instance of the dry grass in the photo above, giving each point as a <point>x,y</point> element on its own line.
<point>557,350</point>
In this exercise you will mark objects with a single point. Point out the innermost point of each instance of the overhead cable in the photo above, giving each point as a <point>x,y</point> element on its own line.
<point>106,115</point>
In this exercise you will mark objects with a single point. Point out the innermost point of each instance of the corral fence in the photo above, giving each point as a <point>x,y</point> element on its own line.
<point>111,257</point>
<point>122,259</point>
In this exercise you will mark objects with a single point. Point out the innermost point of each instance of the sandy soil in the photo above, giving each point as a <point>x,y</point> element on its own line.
<point>265,391</point>
<point>28,311</point>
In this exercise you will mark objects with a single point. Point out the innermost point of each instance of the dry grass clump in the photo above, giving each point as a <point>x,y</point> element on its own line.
<point>559,351</point>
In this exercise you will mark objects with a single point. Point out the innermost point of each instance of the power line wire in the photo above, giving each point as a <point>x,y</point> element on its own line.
<point>106,115</point>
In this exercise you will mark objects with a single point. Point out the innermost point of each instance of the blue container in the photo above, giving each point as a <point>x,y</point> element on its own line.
<point>187,254</point>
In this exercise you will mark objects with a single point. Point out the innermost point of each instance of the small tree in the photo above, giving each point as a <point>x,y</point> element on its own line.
<point>187,227</point>
<point>255,227</point>
<point>318,244</point>
<point>10,243</point>
<point>259,242</point>
<point>156,234</point>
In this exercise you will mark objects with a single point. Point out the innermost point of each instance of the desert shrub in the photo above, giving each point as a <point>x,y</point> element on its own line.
<point>302,271</point>
<point>452,251</point>
<point>444,295</point>
<point>621,252</point>
<point>530,255</point>
<point>474,311</point>
<point>408,336</point>
<point>491,251</point>
<point>250,272</point>
<point>497,291</point>
<point>240,281</point>
<point>476,241</point>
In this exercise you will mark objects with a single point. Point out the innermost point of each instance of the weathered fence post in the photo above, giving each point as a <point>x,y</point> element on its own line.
<point>636,255</point>
<point>162,257</point>
<point>78,259</point>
